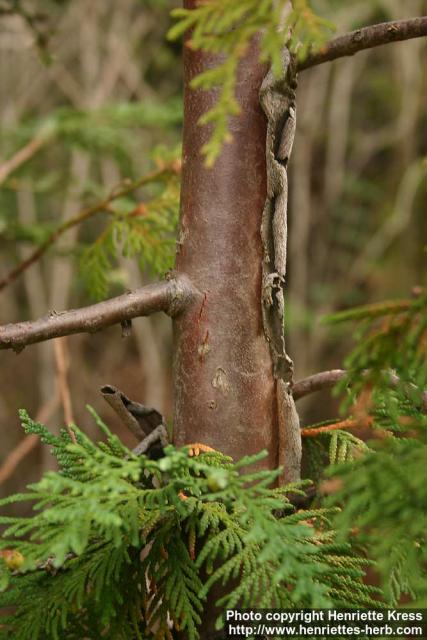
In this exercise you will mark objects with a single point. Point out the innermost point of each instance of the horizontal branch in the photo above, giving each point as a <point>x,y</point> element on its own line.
<point>366,38</point>
<point>170,296</point>
<point>328,379</point>
<point>317,382</point>
<point>344,425</point>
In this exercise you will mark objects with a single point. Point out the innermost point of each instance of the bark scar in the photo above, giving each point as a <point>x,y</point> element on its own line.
<point>220,381</point>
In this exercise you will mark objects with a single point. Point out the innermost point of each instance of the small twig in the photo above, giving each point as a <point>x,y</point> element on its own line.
<point>80,217</point>
<point>328,379</point>
<point>62,365</point>
<point>366,38</point>
<point>29,443</point>
<point>22,156</point>
<point>349,423</point>
<point>170,296</point>
<point>159,437</point>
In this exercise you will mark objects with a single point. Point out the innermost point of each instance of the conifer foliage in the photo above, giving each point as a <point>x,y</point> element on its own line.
<point>121,546</point>
<point>383,493</point>
<point>226,27</point>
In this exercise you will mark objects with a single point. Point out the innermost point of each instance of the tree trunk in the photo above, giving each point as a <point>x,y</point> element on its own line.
<point>224,387</point>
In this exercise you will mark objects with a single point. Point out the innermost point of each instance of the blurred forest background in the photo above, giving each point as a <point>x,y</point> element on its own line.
<point>90,96</point>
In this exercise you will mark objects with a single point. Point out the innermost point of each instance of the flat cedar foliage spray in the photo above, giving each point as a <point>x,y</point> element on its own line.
<point>122,546</point>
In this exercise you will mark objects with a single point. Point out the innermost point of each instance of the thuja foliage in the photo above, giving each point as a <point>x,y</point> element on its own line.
<point>384,492</point>
<point>227,27</point>
<point>136,227</point>
<point>330,447</point>
<point>121,546</point>
<point>140,221</point>
<point>109,129</point>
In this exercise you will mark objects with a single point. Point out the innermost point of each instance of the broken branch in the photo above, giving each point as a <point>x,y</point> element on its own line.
<point>118,402</point>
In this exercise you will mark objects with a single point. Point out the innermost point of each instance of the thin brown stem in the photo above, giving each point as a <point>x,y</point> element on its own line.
<point>82,216</point>
<point>366,38</point>
<point>343,424</point>
<point>170,296</point>
<point>62,365</point>
<point>22,156</point>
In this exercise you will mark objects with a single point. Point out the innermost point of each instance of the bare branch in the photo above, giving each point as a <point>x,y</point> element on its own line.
<point>317,382</point>
<point>82,216</point>
<point>366,38</point>
<point>170,296</point>
<point>328,379</point>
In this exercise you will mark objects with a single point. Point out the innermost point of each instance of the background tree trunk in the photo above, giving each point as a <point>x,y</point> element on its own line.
<point>222,366</point>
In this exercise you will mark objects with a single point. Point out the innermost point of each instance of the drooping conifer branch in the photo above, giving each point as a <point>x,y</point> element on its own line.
<point>366,38</point>
<point>170,296</point>
<point>82,216</point>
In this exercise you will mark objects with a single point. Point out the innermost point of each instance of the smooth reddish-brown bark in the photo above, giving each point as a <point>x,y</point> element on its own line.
<point>224,389</point>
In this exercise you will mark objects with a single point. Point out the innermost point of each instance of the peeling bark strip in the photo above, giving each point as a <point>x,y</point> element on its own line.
<point>366,38</point>
<point>170,296</point>
<point>290,443</point>
<point>277,97</point>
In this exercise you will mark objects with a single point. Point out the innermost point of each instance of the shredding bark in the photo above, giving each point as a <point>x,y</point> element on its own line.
<point>277,97</point>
